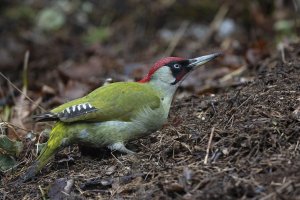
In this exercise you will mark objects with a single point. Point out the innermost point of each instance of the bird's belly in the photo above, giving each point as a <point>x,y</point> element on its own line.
<point>101,134</point>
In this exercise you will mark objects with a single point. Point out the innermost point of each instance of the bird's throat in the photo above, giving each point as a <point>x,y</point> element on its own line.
<point>166,92</point>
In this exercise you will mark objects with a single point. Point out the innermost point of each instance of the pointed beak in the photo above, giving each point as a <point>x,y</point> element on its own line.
<point>195,62</point>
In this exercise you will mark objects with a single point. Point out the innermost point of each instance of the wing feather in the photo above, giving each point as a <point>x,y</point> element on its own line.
<point>117,101</point>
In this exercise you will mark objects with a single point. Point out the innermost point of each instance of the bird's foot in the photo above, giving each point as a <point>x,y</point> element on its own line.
<point>119,146</point>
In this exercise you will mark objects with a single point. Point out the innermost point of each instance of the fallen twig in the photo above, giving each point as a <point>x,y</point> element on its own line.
<point>42,192</point>
<point>209,145</point>
<point>278,191</point>
<point>281,48</point>
<point>179,33</point>
<point>233,74</point>
<point>219,17</point>
<point>21,92</point>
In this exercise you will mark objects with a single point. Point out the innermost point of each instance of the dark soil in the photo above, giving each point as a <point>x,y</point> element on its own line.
<point>254,153</point>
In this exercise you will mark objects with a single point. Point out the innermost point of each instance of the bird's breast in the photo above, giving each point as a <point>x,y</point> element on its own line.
<point>100,134</point>
<point>149,120</point>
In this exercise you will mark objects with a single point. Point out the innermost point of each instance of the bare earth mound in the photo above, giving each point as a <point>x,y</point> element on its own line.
<point>254,153</point>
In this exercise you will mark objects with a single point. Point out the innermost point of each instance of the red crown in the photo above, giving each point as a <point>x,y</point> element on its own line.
<point>157,65</point>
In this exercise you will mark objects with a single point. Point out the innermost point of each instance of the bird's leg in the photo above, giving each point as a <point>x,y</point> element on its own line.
<point>119,146</point>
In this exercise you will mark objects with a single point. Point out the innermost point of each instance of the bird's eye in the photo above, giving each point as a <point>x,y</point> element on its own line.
<point>177,66</point>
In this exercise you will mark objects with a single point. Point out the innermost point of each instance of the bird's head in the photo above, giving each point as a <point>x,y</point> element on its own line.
<point>172,70</point>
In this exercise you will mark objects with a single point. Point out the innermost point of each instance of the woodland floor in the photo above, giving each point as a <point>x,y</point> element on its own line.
<point>254,153</point>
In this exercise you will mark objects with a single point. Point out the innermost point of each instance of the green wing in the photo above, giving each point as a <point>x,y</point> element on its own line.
<point>116,101</point>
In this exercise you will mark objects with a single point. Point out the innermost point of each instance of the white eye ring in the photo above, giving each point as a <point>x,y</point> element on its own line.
<point>177,66</point>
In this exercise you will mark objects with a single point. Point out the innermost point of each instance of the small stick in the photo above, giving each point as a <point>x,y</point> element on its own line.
<point>20,105</point>
<point>116,158</point>
<point>296,5</point>
<point>209,145</point>
<point>277,191</point>
<point>297,145</point>
<point>21,92</point>
<point>233,74</point>
<point>25,73</point>
<point>213,27</point>
<point>42,192</point>
<point>281,48</point>
<point>10,125</point>
<point>178,35</point>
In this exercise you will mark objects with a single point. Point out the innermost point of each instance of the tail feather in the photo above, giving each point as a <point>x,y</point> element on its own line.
<point>54,144</point>
<point>46,155</point>
<point>45,117</point>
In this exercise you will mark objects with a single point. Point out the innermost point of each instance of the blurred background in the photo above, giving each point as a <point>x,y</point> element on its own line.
<point>74,46</point>
<point>58,50</point>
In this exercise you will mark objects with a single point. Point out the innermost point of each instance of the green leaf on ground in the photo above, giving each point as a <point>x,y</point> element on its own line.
<point>10,147</point>
<point>6,162</point>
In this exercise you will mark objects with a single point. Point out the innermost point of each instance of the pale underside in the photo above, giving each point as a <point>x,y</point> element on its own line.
<point>116,113</point>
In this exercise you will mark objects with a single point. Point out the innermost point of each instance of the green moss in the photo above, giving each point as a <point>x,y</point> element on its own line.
<point>6,162</point>
<point>51,19</point>
<point>20,13</point>
<point>97,34</point>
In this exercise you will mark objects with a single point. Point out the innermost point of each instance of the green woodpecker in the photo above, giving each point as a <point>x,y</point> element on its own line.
<point>116,113</point>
